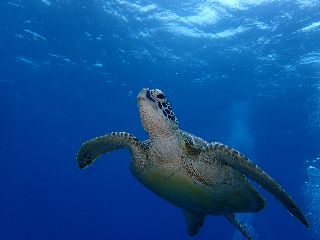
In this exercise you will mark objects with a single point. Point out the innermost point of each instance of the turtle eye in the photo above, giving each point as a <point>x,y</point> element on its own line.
<point>161,96</point>
<point>158,94</point>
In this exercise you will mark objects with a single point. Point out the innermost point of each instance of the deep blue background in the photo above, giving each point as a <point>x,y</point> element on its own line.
<point>70,70</point>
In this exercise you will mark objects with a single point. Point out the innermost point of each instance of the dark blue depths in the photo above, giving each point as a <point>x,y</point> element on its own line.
<point>243,73</point>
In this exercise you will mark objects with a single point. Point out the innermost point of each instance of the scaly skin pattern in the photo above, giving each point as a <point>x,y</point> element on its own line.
<point>177,172</point>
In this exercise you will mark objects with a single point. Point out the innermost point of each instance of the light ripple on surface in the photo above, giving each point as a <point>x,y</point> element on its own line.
<point>47,2</point>
<point>311,27</point>
<point>35,35</point>
<point>313,57</point>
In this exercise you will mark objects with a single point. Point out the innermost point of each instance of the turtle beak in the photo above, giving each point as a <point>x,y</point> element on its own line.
<point>142,94</point>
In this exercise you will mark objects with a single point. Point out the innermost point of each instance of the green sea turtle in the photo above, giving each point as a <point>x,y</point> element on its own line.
<point>199,177</point>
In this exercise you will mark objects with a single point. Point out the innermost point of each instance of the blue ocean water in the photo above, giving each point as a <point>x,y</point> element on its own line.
<point>245,73</point>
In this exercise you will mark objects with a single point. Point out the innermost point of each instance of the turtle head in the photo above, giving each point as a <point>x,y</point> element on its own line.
<point>156,113</point>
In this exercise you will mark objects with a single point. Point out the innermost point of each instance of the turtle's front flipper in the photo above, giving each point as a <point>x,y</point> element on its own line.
<point>242,228</point>
<point>194,221</point>
<point>98,146</point>
<point>226,155</point>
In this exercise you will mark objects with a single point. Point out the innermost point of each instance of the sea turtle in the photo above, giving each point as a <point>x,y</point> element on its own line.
<point>199,177</point>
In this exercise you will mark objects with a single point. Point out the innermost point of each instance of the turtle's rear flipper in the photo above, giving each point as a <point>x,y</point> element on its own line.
<point>194,221</point>
<point>226,155</point>
<point>242,228</point>
<point>98,146</point>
